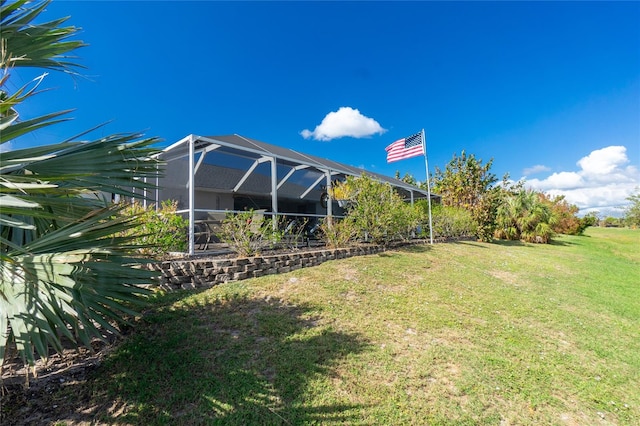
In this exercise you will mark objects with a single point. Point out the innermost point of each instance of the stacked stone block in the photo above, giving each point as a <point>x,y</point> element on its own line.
<point>199,273</point>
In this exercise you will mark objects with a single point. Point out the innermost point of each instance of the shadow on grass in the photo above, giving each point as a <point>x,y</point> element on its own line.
<point>518,243</point>
<point>224,361</point>
<point>510,243</point>
<point>561,243</point>
<point>416,248</point>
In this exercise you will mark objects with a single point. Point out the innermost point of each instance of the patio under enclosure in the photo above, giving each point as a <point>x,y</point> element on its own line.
<point>212,176</point>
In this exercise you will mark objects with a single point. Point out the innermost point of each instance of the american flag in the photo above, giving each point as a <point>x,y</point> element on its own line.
<point>405,148</point>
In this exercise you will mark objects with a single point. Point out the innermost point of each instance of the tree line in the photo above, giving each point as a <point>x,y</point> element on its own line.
<point>506,209</point>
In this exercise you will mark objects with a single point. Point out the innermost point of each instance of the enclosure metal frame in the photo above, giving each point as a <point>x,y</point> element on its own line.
<point>192,145</point>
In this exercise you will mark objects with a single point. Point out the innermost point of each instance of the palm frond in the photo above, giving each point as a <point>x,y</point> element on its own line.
<point>62,267</point>
<point>29,44</point>
<point>67,293</point>
<point>66,267</point>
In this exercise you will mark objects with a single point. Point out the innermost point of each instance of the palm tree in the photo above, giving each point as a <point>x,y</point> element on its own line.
<point>535,222</point>
<point>524,216</point>
<point>63,273</point>
<point>507,218</point>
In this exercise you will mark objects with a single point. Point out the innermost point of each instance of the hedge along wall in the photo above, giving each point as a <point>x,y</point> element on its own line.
<point>199,273</point>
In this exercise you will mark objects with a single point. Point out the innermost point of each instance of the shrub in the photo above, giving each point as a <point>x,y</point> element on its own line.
<point>612,222</point>
<point>377,212</point>
<point>590,219</point>
<point>159,232</point>
<point>404,220</point>
<point>565,220</point>
<point>484,215</point>
<point>248,233</point>
<point>449,222</point>
<point>338,233</point>
<point>294,232</point>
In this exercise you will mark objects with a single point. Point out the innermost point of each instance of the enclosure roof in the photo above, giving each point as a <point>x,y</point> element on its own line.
<point>252,148</point>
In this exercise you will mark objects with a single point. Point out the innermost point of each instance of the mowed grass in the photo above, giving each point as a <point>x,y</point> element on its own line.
<point>456,333</point>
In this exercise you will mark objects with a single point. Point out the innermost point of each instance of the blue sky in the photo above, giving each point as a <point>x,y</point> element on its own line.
<point>549,90</point>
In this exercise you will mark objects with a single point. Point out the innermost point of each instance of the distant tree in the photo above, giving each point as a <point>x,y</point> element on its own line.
<point>612,222</point>
<point>464,181</point>
<point>468,183</point>
<point>591,219</point>
<point>407,178</point>
<point>632,213</point>
<point>564,214</point>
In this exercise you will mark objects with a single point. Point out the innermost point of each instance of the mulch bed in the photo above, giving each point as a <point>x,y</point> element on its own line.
<point>56,391</point>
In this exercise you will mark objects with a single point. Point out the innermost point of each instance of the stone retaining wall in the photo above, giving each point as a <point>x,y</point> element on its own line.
<point>199,273</point>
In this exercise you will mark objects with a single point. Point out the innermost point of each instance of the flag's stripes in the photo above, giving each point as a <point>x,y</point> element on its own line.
<point>405,148</point>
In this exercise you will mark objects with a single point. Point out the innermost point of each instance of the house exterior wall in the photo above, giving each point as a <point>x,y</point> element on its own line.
<point>211,200</point>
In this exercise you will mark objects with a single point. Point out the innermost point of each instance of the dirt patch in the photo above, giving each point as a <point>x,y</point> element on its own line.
<point>505,276</point>
<point>56,391</point>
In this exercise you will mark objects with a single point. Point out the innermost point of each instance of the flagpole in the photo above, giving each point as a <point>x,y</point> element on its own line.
<point>426,164</point>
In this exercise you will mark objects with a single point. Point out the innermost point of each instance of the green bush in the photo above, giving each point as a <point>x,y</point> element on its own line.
<point>294,232</point>
<point>377,212</point>
<point>248,233</point>
<point>337,233</point>
<point>448,222</point>
<point>484,215</point>
<point>612,222</point>
<point>159,232</point>
<point>404,220</point>
<point>632,211</point>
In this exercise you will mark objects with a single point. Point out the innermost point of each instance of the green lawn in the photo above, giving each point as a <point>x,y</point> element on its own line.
<point>457,333</point>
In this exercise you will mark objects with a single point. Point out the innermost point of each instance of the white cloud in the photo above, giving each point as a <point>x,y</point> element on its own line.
<point>562,180</point>
<point>538,168</point>
<point>602,184</point>
<point>344,122</point>
<point>604,161</point>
